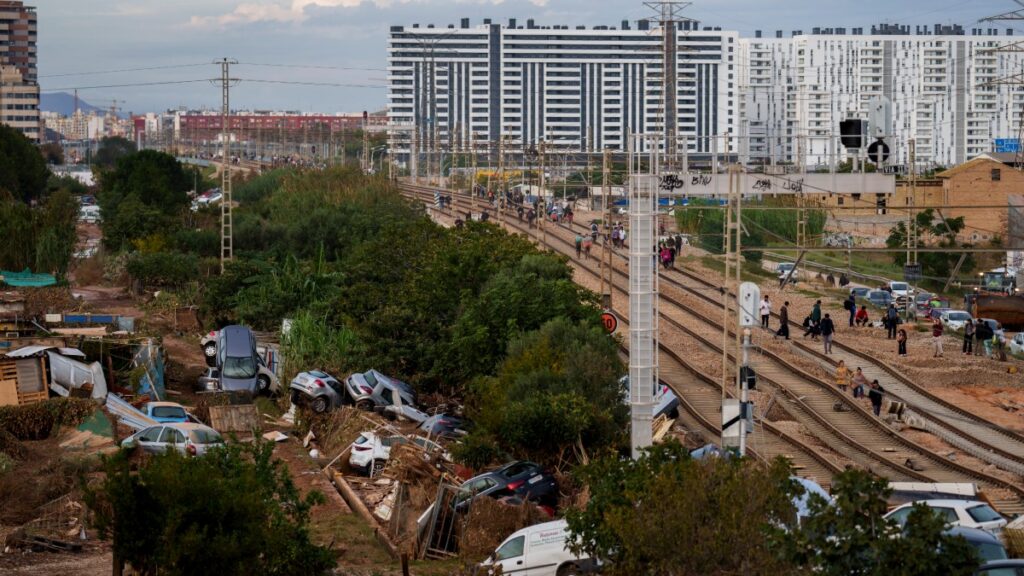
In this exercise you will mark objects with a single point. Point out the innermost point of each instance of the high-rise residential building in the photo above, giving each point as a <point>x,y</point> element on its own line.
<point>574,88</point>
<point>19,86</point>
<point>940,82</point>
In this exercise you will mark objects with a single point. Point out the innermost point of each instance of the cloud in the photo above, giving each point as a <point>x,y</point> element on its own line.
<point>251,12</point>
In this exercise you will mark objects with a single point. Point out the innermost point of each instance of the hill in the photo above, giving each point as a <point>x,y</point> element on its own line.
<point>64,103</point>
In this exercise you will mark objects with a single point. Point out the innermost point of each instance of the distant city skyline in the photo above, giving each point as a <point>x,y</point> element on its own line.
<point>346,39</point>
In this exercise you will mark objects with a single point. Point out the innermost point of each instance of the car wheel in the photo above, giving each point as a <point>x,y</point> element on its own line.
<point>376,467</point>
<point>366,405</point>
<point>263,385</point>
<point>210,350</point>
<point>570,570</point>
<point>320,404</point>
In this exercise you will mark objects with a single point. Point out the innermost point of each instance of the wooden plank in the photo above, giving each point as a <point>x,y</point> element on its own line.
<point>242,418</point>
<point>25,398</point>
<point>8,393</point>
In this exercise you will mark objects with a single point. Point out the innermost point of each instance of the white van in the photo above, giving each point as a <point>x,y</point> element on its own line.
<point>539,550</point>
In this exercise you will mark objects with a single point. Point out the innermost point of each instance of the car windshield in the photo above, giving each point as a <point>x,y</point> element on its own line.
<point>168,412</point>
<point>370,379</point>
<point>239,367</point>
<point>201,436</point>
<point>983,513</point>
<point>898,286</point>
<point>959,316</point>
<point>989,551</point>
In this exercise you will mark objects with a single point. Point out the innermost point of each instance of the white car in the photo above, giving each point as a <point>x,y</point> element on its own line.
<point>967,513</point>
<point>189,439</point>
<point>783,270</point>
<point>1017,343</point>
<point>899,289</point>
<point>955,319</point>
<point>370,452</point>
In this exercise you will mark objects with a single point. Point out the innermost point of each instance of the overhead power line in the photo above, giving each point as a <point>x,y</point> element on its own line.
<point>98,72</point>
<point>133,84</point>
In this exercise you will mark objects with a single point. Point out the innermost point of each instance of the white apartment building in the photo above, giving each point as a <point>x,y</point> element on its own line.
<point>797,89</point>
<point>574,88</point>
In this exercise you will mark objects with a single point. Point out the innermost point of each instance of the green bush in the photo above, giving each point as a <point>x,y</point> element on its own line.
<point>205,243</point>
<point>233,511</point>
<point>163,269</point>
<point>36,421</point>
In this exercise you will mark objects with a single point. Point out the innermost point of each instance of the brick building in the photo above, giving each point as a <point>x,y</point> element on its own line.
<point>19,88</point>
<point>987,181</point>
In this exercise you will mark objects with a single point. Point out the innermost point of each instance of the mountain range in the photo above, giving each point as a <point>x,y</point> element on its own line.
<point>64,103</point>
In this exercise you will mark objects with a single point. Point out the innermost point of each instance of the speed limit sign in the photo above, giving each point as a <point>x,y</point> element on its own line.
<point>610,321</point>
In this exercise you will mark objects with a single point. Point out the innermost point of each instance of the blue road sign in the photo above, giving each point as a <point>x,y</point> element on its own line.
<point>1007,145</point>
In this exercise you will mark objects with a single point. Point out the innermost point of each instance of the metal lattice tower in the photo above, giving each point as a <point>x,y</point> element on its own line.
<point>668,13</point>
<point>226,220</point>
<point>643,287</point>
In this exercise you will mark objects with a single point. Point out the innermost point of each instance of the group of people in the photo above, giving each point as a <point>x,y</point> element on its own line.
<point>618,236</point>
<point>667,250</point>
<point>584,245</point>
<point>980,339</point>
<point>860,384</point>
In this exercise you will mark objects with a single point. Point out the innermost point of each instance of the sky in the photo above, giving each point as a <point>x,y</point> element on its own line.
<point>96,44</point>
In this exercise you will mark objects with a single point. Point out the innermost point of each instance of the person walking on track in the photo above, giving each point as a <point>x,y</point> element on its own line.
<point>828,329</point>
<point>766,311</point>
<point>875,396</point>
<point>784,321</point>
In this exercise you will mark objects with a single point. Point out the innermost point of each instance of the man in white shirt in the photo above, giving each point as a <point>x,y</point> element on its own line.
<point>766,311</point>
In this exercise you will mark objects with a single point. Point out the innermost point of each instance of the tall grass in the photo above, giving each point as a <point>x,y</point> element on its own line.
<point>313,342</point>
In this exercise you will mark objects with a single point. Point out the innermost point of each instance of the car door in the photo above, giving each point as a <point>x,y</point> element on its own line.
<point>173,439</point>
<point>511,556</point>
<point>149,439</point>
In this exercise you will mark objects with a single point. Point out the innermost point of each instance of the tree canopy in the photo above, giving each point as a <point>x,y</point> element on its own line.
<point>558,389</point>
<point>932,230</point>
<point>668,514</point>
<point>23,172</point>
<point>233,511</point>
<point>111,150</point>
<point>850,537</point>
<point>145,194</point>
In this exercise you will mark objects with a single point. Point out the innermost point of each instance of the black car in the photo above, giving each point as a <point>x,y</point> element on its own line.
<point>524,479</point>
<point>444,426</point>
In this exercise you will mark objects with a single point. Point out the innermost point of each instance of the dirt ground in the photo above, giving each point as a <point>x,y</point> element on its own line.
<point>94,561</point>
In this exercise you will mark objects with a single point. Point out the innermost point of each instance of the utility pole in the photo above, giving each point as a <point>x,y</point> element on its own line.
<point>543,189</point>
<point>226,203</point>
<point>366,142</point>
<point>911,201</point>
<point>606,289</point>
<point>501,176</point>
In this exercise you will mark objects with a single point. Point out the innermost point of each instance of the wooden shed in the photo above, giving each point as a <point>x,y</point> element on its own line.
<point>22,381</point>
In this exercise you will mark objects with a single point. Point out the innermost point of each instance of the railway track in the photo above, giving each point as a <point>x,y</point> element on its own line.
<point>852,432</point>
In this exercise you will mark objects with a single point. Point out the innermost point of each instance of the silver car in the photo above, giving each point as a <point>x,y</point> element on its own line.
<point>319,389</point>
<point>373,391</point>
<point>187,438</point>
